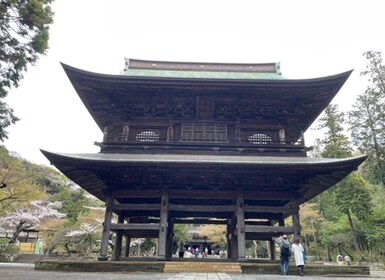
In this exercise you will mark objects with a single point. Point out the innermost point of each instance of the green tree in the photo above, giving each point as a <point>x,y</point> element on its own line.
<point>335,144</point>
<point>310,218</point>
<point>17,184</point>
<point>353,197</point>
<point>367,119</point>
<point>215,233</point>
<point>73,203</point>
<point>182,232</point>
<point>24,26</point>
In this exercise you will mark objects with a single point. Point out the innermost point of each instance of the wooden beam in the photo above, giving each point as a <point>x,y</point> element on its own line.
<point>259,223</point>
<point>267,209</point>
<point>137,193</point>
<point>269,229</point>
<point>131,206</point>
<point>200,221</point>
<point>201,208</point>
<point>134,226</point>
<point>202,194</point>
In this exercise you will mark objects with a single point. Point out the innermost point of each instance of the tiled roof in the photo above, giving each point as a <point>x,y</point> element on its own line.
<point>195,70</point>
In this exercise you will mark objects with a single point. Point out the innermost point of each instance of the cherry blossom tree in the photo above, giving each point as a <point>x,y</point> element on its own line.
<point>29,217</point>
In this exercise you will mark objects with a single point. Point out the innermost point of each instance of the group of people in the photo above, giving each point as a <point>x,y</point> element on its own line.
<point>286,250</point>
<point>191,251</point>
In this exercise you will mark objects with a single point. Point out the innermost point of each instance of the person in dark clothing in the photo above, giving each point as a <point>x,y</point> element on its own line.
<point>284,244</point>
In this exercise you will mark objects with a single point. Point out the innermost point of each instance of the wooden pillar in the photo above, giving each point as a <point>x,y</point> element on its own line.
<point>118,241</point>
<point>296,222</point>
<point>162,239</point>
<point>125,132</point>
<point>272,241</point>
<point>170,132</point>
<point>272,248</point>
<point>106,228</point>
<point>241,234</point>
<point>282,137</point>
<point>228,238</point>
<point>126,253</point>
<point>281,222</point>
<point>238,135</point>
<point>170,238</point>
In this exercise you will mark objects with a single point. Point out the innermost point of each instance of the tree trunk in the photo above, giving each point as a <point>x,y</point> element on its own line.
<point>315,239</point>
<point>19,229</point>
<point>355,240</point>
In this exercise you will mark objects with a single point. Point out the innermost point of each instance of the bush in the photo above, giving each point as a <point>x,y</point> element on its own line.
<point>10,249</point>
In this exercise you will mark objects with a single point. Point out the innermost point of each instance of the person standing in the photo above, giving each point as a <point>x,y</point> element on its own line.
<point>181,249</point>
<point>284,244</point>
<point>298,255</point>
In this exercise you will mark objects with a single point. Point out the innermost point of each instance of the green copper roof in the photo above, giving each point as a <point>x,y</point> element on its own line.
<point>194,70</point>
<point>201,74</point>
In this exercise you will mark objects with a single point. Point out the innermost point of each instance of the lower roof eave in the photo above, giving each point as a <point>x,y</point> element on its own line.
<point>165,159</point>
<point>90,171</point>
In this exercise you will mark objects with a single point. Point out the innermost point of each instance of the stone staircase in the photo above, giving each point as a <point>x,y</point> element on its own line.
<point>206,267</point>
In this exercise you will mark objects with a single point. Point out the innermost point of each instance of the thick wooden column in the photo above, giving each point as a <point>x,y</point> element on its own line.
<point>162,239</point>
<point>296,222</point>
<point>170,237</point>
<point>241,233</point>
<point>118,241</point>
<point>106,228</point>
<point>272,248</point>
<point>127,239</point>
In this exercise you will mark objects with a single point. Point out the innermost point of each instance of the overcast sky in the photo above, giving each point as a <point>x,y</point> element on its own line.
<point>309,38</point>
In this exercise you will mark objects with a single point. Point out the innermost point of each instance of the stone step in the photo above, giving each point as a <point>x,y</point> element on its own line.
<point>208,267</point>
<point>28,258</point>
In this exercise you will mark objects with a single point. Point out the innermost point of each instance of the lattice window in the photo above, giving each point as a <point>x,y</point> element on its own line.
<point>147,136</point>
<point>204,132</point>
<point>259,138</point>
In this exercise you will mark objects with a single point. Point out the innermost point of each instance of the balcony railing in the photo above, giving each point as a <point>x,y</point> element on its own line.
<point>153,139</point>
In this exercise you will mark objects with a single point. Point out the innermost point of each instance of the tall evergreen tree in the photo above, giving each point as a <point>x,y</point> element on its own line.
<point>367,119</point>
<point>351,196</point>
<point>23,36</point>
<point>335,144</point>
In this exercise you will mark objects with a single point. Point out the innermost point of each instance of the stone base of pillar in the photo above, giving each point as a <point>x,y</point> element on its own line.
<point>242,260</point>
<point>103,258</point>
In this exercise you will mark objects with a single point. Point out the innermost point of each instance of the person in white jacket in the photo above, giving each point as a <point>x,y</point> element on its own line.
<point>298,251</point>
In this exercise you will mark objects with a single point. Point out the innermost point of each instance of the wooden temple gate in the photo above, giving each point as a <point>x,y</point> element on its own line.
<point>211,143</point>
<point>233,215</point>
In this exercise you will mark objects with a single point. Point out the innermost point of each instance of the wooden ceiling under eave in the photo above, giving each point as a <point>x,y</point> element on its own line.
<point>267,181</point>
